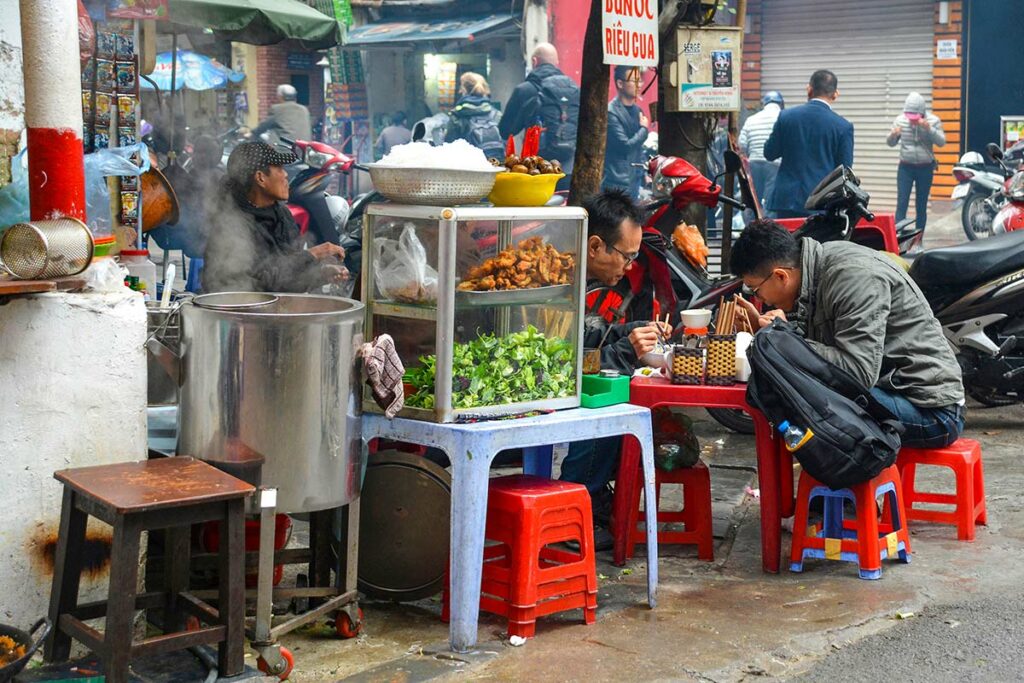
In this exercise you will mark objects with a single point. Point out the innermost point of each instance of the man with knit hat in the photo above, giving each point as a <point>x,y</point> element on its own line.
<point>254,243</point>
<point>916,132</point>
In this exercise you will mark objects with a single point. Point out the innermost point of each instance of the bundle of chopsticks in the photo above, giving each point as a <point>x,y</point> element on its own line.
<point>729,320</point>
<point>661,337</point>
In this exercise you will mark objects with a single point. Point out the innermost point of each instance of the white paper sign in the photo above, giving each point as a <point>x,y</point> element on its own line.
<point>629,29</point>
<point>946,49</point>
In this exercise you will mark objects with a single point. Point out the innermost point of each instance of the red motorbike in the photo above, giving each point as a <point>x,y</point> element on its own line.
<point>1011,216</point>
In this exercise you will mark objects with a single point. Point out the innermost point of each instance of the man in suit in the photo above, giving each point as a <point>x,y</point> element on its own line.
<point>812,140</point>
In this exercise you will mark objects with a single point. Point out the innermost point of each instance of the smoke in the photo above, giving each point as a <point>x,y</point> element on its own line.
<point>231,259</point>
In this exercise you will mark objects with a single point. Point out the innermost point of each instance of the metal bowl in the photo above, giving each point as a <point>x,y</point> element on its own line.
<point>432,186</point>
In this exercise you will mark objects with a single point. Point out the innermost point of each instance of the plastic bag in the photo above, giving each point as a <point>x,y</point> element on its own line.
<point>401,270</point>
<point>690,243</point>
<point>116,161</point>
<point>105,275</point>
<point>675,444</point>
<point>14,195</point>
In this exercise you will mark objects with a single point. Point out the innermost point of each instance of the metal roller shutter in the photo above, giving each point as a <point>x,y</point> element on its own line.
<point>880,50</point>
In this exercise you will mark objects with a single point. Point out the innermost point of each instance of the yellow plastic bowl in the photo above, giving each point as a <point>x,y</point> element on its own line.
<point>519,189</point>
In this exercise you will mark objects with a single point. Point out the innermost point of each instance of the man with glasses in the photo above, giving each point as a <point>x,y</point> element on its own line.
<point>859,310</point>
<point>613,243</point>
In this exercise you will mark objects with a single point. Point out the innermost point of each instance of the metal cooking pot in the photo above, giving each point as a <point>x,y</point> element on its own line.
<point>270,392</point>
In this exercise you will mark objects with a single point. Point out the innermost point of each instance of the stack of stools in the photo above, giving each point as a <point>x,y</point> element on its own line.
<point>865,540</point>
<point>695,515</point>
<point>167,493</point>
<point>524,575</point>
<point>964,458</point>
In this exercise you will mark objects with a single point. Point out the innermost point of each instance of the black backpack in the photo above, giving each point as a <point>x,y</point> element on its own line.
<point>482,132</point>
<point>558,112</point>
<point>854,437</point>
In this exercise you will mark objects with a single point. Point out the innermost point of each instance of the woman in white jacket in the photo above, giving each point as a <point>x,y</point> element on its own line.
<point>917,132</point>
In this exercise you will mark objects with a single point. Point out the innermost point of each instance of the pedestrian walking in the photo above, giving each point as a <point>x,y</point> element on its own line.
<point>397,133</point>
<point>628,128</point>
<point>550,99</point>
<point>475,117</point>
<point>917,132</point>
<point>811,140</point>
<point>755,133</point>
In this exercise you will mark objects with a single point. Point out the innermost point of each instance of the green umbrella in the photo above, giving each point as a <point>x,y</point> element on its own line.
<point>257,22</point>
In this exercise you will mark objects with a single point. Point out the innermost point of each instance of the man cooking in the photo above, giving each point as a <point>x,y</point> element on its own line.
<point>254,244</point>
<point>613,243</point>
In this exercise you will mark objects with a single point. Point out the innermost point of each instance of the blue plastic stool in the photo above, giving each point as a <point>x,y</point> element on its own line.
<point>471,448</point>
<point>194,283</point>
<point>864,540</point>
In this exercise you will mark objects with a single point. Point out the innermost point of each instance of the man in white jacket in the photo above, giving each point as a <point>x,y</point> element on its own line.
<point>756,131</point>
<point>916,132</point>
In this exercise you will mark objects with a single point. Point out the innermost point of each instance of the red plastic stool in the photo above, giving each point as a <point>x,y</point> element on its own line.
<point>695,515</point>
<point>963,457</point>
<point>523,576</point>
<point>864,540</point>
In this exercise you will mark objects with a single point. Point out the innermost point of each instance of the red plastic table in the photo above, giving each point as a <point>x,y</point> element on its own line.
<point>776,489</point>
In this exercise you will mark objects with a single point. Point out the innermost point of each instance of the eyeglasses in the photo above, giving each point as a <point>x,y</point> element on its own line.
<point>752,291</point>
<point>629,257</point>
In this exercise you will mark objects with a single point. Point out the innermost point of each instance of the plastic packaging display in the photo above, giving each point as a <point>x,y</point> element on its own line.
<point>402,271</point>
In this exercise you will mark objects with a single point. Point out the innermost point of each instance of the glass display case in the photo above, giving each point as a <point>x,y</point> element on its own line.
<point>485,306</point>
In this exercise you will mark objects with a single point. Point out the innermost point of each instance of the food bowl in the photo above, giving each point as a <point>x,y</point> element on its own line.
<point>520,189</point>
<point>696,318</point>
<point>660,357</point>
<point>103,245</point>
<point>432,186</point>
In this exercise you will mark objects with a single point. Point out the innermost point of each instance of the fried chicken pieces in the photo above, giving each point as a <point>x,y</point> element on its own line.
<point>529,264</point>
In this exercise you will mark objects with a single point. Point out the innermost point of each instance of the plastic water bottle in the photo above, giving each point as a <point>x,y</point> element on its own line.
<point>792,435</point>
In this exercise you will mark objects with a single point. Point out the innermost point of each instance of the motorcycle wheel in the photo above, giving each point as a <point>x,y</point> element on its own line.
<point>736,420</point>
<point>976,217</point>
<point>989,398</point>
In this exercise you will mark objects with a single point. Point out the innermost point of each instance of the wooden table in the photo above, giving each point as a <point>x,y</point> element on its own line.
<point>776,489</point>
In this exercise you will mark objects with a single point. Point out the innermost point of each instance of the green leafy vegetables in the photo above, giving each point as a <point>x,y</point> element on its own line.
<point>522,366</point>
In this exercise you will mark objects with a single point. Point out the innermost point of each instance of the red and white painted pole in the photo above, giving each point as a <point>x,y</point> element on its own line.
<point>53,108</point>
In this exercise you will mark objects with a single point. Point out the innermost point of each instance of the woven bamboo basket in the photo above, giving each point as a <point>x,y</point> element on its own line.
<point>721,370</point>
<point>687,365</point>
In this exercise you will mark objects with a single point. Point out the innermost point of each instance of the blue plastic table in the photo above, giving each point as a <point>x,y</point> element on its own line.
<point>472,447</point>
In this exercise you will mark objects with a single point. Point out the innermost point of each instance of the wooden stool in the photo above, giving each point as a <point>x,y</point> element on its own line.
<point>171,493</point>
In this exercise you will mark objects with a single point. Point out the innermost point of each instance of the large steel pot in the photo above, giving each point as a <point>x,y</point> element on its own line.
<point>270,392</point>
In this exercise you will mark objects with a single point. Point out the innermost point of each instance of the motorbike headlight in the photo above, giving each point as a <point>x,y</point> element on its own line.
<point>317,159</point>
<point>662,185</point>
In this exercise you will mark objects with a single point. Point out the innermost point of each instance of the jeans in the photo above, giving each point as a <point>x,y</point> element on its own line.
<point>763,173</point>
<point>906,176</point>
<point>925,427</point>
<point>592,463</point>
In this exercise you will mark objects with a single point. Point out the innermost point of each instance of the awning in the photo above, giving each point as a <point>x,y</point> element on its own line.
<point>397,34</point>
<point>257,22</point>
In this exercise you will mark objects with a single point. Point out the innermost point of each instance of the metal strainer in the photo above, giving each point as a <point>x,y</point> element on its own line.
<point>41,250</point>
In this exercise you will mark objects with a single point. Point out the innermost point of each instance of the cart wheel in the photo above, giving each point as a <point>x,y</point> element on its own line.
<point>301,605</point>
<point>344,626</point>
<point>288,664</point>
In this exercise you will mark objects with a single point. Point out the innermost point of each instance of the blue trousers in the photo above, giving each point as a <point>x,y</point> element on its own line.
<point>906,177</point>
<point>763,173</point>
<point>925,427</point>
<point>592,463</point>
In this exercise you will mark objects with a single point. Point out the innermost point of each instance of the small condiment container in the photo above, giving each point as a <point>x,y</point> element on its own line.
<point>591,361</point>
<point>610,373</point>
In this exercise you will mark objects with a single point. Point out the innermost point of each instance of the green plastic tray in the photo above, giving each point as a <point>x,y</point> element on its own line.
<point>599,392</point>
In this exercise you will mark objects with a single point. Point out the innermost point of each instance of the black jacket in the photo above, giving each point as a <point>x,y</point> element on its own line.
<point>253,249</point>
<point>626,139</point>
<point>521,110</point>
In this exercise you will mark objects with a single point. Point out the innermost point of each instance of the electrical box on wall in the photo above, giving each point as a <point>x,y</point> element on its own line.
<point>705,69</point>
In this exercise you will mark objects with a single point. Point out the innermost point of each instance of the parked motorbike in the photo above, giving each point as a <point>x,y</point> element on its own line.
<point>1011,216</point>
<point>321,215</point>
<point>981,188</point>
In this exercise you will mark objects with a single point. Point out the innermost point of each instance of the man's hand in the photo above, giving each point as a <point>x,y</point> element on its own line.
<point>924,124</point>
<point>644,121</point>
<point>326,250</point>
<point>749,310</point>
<point>767,317</point>
<point>334,274</point>
<point>896,131</point>
<point>644,338</point>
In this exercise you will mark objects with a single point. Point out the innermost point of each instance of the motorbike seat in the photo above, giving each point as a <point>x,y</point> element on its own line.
<point>972,262</point>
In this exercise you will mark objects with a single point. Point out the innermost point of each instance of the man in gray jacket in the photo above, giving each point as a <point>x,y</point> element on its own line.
<point>859,310</point>
<point>287,117</point>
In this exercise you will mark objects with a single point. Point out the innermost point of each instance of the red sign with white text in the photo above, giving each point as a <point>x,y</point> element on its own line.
<point>629,30</point>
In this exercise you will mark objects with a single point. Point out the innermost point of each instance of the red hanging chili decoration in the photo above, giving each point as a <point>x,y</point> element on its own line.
<point>510,146</point>
<point>531,141</point>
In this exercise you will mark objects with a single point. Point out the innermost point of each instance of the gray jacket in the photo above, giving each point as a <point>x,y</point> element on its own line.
<point>915,142</point>
<point>289,119</point>
<point>860,310</point>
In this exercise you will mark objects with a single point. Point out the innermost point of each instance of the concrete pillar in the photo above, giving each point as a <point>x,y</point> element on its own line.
<point>53,108</point>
